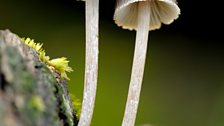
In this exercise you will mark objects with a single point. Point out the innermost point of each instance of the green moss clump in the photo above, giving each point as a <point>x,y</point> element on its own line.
<point>36,104</point>
<point>60,65</point>
<point>77,104</point>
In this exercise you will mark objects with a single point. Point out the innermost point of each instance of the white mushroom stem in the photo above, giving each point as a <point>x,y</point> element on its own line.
<point>91,63</point>
<point>138,64</point>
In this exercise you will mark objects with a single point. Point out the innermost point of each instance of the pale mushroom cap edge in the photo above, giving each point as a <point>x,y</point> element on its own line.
<point>161,11</point>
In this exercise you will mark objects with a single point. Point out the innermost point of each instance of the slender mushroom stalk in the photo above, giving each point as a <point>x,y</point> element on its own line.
<point>141,15</point>
<point>91,63</point>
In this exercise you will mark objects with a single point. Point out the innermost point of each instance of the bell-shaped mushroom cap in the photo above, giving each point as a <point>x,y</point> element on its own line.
<point>161,11</point>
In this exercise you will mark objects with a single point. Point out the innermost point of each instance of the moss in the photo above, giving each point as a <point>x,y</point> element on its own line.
<point>36,104</point>
<point>77,104</point>
<point>59,65</point>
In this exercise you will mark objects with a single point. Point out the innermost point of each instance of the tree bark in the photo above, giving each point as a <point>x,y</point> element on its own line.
<point>30,93</point>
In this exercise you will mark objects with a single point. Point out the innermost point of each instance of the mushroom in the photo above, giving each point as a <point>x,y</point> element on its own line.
<point>142,16</point>
<point>91,62</point>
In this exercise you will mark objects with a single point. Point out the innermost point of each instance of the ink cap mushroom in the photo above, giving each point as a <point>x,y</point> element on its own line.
<point>91,61</point>
<point>142,16</point>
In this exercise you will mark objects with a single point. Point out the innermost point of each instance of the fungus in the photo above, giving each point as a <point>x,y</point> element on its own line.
<point>91,63</point>
<point>142,16</point>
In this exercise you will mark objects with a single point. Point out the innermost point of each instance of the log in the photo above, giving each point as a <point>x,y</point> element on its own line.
<point>31,94</point>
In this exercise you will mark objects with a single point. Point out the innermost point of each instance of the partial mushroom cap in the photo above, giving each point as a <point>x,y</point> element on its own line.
<point>161,11</point>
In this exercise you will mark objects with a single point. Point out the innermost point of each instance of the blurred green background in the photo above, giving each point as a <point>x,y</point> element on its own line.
<point>184,74</point>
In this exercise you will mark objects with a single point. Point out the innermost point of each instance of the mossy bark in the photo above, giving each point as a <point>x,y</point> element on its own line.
<point>30,93</point>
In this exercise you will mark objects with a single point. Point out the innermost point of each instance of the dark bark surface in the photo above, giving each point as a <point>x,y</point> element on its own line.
<point>30,93</point>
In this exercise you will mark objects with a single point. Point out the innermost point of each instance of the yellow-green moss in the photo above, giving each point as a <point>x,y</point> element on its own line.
<point>60,65</point>
<point>37,104</point>
<point>76,104</point>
